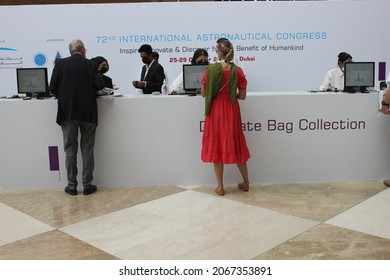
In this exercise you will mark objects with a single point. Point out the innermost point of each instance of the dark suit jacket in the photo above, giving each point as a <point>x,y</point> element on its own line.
<point>107,81</point>
<point>155,78</point>
<point>74,82</point>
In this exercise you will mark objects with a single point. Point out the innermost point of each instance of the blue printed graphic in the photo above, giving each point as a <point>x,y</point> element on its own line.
<point>7,49</point>
<point>58,57</point>
<point>359,79</point>
<point>40,59</point>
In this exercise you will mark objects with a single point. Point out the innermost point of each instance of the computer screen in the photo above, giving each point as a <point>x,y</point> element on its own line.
<point>32,81</point>
<point>359,75</point>
<point>192,76</point>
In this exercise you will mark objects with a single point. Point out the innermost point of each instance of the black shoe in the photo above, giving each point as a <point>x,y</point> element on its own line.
<point>70,191</point>
<point>90,189</point>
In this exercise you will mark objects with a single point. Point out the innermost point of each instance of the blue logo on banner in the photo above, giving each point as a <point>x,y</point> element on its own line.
<point>58,57</point>
<point>7,49</point>
<point>40,59</point>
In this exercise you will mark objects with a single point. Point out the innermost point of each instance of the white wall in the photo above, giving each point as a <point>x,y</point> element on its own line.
<point>357,27</point>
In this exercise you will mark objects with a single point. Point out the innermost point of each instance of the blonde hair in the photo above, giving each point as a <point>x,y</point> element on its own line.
<point>226,48</point>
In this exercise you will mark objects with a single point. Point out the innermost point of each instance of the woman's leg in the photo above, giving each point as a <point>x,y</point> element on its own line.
<point>218,169</point>
<point>244,173</point>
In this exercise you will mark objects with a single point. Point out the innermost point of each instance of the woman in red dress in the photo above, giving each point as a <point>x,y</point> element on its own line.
<point>223,140</point>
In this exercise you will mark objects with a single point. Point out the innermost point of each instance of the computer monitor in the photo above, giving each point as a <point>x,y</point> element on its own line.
<point>192,77</point>
<point>358,76</point>
<point>32,82</point>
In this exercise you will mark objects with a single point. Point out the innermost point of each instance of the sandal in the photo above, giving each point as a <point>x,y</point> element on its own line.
<point>244,187</point>
<point>219,191</point>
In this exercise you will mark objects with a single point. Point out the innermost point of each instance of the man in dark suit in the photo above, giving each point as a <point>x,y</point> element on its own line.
<point>152,74</point>
<point>74,82</point>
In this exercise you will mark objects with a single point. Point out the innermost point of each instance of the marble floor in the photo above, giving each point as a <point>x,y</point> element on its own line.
<point>327,221</point>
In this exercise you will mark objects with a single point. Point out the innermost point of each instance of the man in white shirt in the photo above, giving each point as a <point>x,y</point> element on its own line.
<point>334,78</point>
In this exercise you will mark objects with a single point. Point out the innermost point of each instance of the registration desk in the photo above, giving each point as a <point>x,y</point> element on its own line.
<point>156,140</point>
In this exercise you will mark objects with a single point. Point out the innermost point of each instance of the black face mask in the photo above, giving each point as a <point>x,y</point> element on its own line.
<point>103,70</point>
<point>202,62</point>
<point>145,61</point>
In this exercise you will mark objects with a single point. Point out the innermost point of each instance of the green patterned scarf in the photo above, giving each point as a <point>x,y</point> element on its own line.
<point>214,83</point>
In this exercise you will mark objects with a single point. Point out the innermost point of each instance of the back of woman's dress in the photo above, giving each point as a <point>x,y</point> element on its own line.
<point>223,140</point>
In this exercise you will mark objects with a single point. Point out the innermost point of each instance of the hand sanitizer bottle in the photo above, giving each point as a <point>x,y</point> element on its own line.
<point>164,88</point>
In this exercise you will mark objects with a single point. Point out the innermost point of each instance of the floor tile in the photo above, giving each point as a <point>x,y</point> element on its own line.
<point>52,245</point>
<point>122,229</point>
<point>326,242</point>
<point>58,209</point>
<point>319,201</point>
<point>191,207</point>
<point>371,216</point>
<point>189,187</point>
<point>217,228</point>
<point>348,220</point>
<point>16,225</point>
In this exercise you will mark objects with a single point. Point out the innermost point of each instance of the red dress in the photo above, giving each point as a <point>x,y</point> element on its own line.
<point>223,140</point>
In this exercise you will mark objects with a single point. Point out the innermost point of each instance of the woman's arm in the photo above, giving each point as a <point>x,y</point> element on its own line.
<point>202,91</point>
<point>241,94</point>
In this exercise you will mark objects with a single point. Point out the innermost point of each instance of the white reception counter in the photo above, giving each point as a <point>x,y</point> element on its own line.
<point>156,140</point>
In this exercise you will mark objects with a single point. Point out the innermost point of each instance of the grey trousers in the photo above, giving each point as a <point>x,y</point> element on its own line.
<point>70,131</point>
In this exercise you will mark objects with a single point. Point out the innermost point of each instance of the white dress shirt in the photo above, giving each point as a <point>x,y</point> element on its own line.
<point>177,85</point>
<point>334,79</point>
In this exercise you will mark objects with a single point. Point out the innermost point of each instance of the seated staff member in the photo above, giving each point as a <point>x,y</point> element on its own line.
<point>334,78</point>
<point>103,69</point>
<point>200,57</point>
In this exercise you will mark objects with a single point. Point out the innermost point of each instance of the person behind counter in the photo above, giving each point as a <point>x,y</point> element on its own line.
<point>334,78</point>
<point>200,57</point>
<point>103,68</point>
<point>152,73</point>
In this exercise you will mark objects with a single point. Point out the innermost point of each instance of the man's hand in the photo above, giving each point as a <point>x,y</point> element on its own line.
<point>139,84</point>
